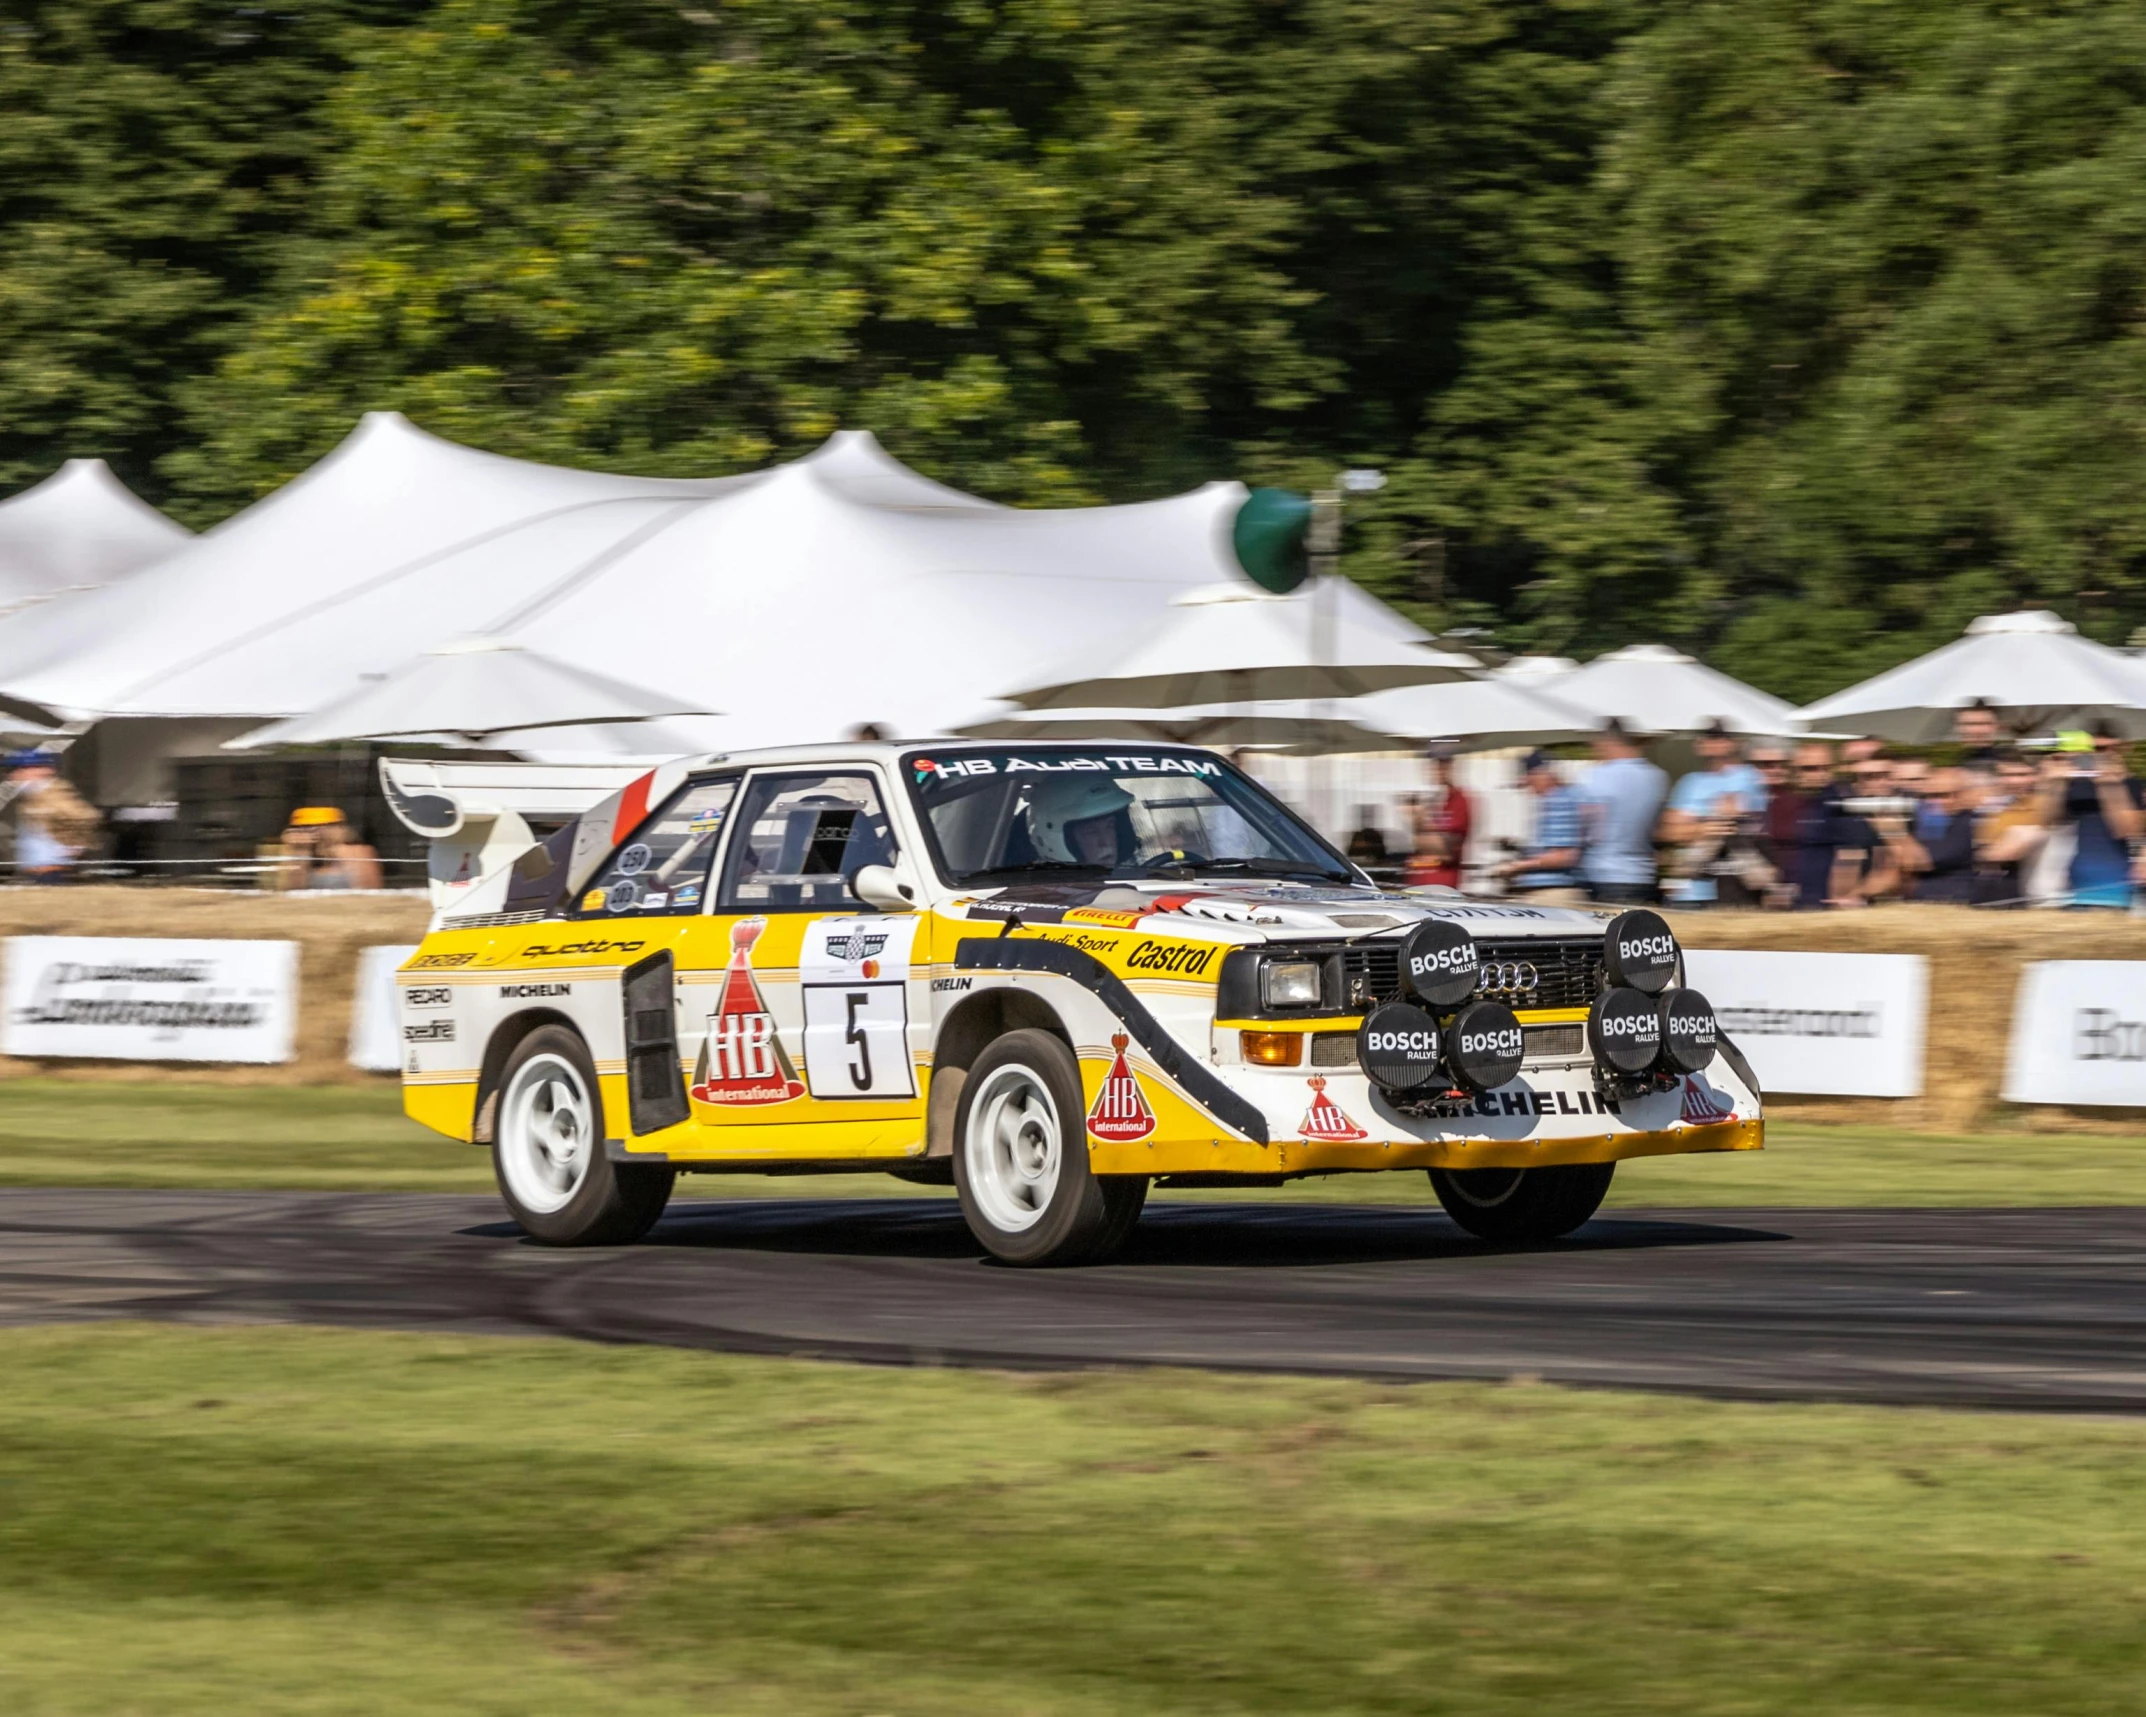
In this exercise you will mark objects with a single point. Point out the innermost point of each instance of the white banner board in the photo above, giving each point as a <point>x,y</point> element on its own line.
<point>1830,1025</point>
<point>2079,1034</point>
<point>375,1010</point>
<point>127,998</point>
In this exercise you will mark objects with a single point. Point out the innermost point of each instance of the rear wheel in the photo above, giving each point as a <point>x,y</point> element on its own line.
<point>1021,1157</point>
<point>1523,1204</point>
<point>548,1151</point>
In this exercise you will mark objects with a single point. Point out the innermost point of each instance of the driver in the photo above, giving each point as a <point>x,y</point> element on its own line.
<point>1075,820</point>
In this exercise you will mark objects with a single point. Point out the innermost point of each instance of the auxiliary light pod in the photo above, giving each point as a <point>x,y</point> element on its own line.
<point>1638,951</point>
<point>1485,1046</point>
<point>1400,1046</point>
<point>1440,964</point>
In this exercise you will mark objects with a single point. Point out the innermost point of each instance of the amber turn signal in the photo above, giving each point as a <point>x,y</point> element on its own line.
<point>1273,1048</point>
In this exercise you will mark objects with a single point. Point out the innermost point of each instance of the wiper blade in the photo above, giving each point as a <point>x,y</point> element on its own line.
<point>1036,867</point>
<point>1279,868</point>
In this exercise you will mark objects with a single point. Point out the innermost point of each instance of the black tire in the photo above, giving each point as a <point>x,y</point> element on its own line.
<point>1124,1197</point>
<point>566,1192</point>
<point>1023,1180</point>
<point>1521,1205</point>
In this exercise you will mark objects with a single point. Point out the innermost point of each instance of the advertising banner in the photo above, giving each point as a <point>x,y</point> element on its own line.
<point>375,1013</point>
<point>126,998</point>
<point>2079,1034</point>
<point>1830,1025</point>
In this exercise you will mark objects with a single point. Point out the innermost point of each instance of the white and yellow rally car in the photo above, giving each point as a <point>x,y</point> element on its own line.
<point>1049,974</point>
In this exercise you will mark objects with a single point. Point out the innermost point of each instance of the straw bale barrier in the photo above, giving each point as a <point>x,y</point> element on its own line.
<point>328,929</point>
<point>1975,960</point>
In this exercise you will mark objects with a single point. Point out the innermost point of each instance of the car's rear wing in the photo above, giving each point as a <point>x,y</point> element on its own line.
<point>485,857</point>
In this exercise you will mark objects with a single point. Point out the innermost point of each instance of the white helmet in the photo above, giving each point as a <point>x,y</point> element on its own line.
<point>1055,804</point>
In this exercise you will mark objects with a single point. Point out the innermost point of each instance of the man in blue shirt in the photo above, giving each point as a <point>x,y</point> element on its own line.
<point>1710,806</point>
<point>1619,802</point>
<point>1548,866</point>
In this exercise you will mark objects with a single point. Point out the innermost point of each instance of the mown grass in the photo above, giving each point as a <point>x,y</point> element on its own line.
<point>65,1133</point>
<point>333,1522</point>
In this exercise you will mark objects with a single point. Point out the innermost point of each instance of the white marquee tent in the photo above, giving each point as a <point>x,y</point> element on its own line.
<point>80,528</point>
<point>801,601</point>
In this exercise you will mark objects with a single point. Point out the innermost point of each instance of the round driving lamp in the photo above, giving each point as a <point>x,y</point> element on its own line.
<point>1439,964</point>
<point>1639,952</point>
<point>1485,1046</point>
<point>1624,1029</point>
<point>1399,1046</point>
<point>1690,1033</point>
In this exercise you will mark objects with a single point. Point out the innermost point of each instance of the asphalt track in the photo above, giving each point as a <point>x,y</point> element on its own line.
<point>2042,1309</point>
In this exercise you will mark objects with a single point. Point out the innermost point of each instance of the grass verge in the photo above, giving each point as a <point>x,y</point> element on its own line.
<point>62,1133</point>
<point>332,1522</point>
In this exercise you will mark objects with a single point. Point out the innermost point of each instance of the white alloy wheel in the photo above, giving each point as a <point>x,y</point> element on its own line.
<point>1015,1148</point>
<point>547,1133</point>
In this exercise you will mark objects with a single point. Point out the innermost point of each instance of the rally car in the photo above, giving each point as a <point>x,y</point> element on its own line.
<point>1051,975</point>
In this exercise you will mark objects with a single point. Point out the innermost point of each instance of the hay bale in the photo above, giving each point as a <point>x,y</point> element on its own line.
<point>1975,962</point>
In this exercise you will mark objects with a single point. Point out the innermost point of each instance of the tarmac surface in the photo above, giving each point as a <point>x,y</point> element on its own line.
<point>2041,1309</point>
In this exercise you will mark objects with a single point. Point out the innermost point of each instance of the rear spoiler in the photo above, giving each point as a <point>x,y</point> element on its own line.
<point>485,858</point>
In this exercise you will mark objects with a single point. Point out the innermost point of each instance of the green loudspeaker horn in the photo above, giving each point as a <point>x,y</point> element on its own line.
<point>1270,536</point>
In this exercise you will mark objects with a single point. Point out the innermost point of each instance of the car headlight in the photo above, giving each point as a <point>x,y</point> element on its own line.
<point>1290,983</point>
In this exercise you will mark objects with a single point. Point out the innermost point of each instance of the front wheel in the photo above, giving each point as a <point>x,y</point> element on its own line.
<point>1523,1204</point>
<point>1021,1158</point>
<point>548,1151</point>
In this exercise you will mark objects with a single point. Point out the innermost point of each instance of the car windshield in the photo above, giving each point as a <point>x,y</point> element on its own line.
<point>999,816</point>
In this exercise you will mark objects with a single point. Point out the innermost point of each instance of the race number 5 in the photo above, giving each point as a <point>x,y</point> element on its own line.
<point>857,1041</point>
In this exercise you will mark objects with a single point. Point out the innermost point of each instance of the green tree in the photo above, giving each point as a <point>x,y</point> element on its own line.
<point>154,156</point>
<point>1885,266</point>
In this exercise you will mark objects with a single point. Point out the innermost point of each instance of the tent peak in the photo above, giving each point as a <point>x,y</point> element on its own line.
<point>1645,653</point>
<point>2026,620</point>
<point>475,644</point>
<point>853,464</point>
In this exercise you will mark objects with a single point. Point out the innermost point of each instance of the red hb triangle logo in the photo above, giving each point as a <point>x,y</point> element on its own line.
<point>1326,1119</point>
<point>741,1059</point>
<point>1702,1105</point>
<point>1121,1114</point>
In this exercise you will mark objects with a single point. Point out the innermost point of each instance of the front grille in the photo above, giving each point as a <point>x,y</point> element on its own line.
<point>1568,974</point>
<point>1333,1049</point>
<point>1371,972</point>
<point>1555,1042</point>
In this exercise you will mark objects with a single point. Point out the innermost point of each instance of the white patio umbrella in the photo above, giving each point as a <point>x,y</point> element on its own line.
<point>2032,666</point>
<point>1232,645</point>
<point>1478,715</point>
<point>475,688</point>
<point>1653,689</point>
<point>1535,670</point>
<point>1294,727</point>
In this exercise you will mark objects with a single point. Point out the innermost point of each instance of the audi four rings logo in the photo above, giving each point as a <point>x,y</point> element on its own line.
<point>1509,975</point>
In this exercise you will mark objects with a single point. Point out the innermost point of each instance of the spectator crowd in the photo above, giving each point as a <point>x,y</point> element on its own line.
<point>1809,825</point>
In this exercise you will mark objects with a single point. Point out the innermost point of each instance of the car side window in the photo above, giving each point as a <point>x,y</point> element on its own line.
<point>800,838</point>
<point>663,866</point>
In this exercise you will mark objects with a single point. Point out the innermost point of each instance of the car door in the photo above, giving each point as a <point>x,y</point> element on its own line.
<point>645,896</point>
<point>797,1000</point>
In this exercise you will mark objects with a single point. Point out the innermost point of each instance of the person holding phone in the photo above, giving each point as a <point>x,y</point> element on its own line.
<point>2091,788</point>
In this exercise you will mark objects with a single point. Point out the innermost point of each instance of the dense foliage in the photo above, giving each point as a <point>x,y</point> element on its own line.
<point>1798,335</point>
